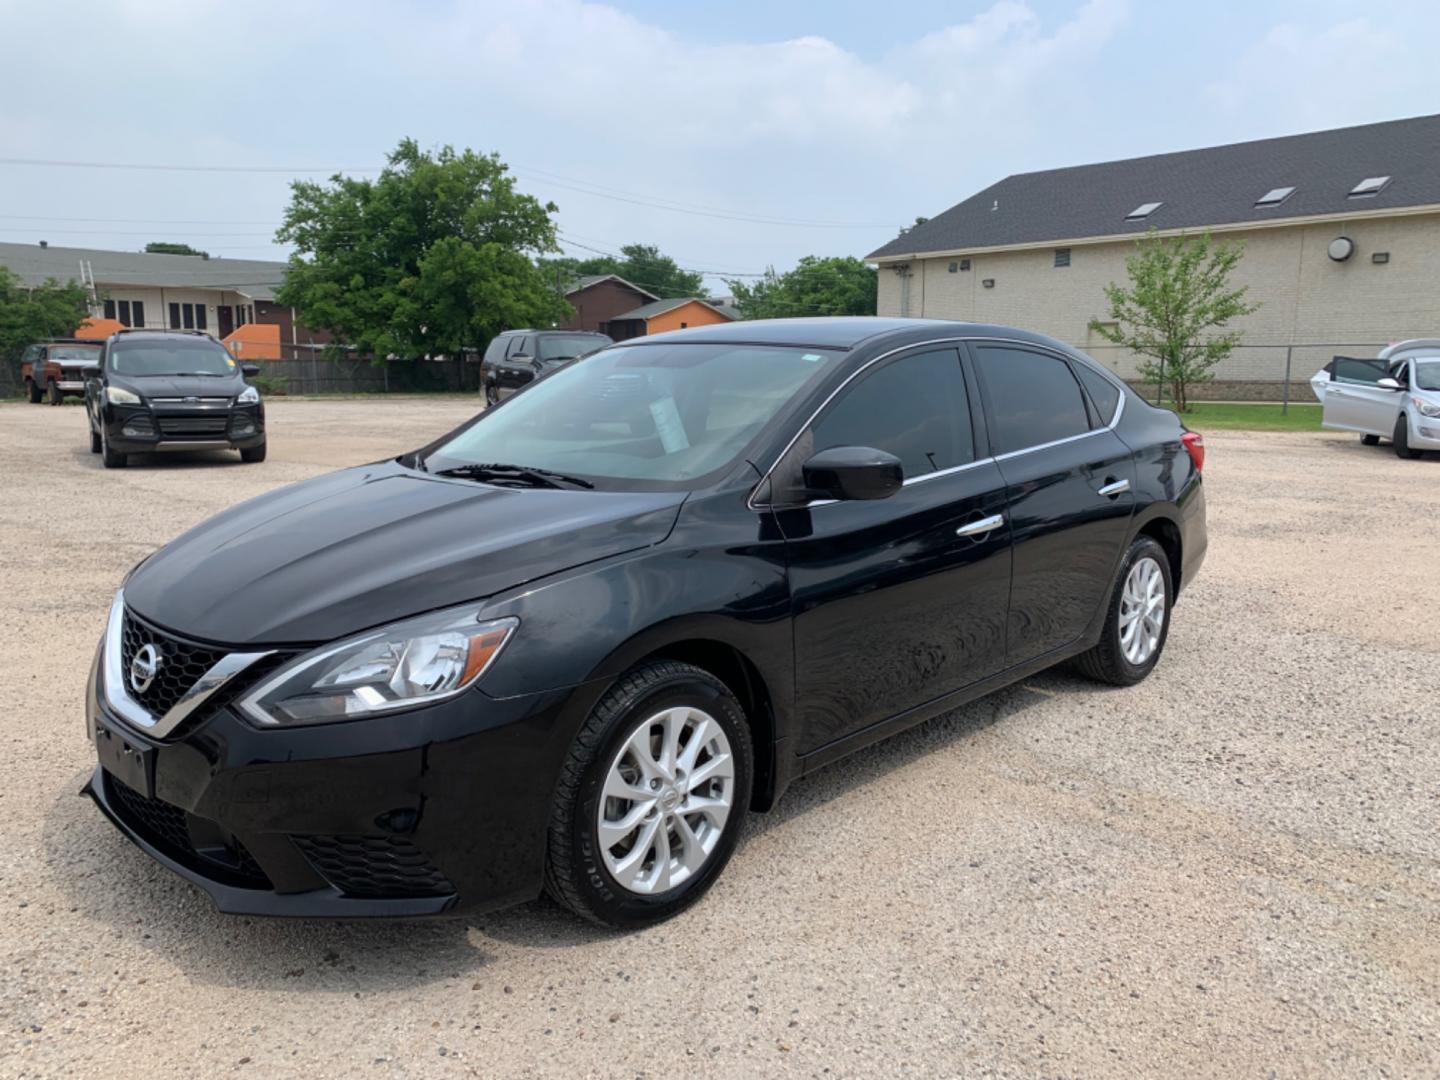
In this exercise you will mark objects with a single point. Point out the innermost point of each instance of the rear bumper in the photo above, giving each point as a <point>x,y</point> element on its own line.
<point>1194,536</point>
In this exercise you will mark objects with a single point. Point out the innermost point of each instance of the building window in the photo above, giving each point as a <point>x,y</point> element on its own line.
<point>1143,211</point>
<point>1371,185</point>
<point>109,309</point>
<point>964,265</point>
<point>1275,196</point>
<point>187,316</point>
<point>124,313</point>
<point>137,312</point>
<point>174,316</point>
<point>1062,256</point>
<point>200,317</point>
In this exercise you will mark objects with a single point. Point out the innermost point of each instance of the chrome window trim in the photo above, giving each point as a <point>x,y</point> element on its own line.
<point>1114,420</point>
<point>118,699</point>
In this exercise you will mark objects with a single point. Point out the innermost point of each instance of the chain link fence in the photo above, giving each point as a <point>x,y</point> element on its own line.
<point>1272,373</point>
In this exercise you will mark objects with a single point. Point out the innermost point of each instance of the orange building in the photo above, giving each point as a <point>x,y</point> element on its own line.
<point>663,315</point>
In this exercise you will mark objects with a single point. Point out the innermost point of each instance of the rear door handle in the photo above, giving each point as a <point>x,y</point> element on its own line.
<point>1115,487</point>
<point>981,527</point>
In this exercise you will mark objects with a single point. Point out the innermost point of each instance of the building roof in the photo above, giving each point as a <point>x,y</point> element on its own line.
<point>587,280</point>
<point>1220,185</point>
<point>659,307</point>
<point>34,264</point>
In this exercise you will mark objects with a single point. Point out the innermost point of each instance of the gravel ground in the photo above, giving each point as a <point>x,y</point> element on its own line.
<point>1230,870</point>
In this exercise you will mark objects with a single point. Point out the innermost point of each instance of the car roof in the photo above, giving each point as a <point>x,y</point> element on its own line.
<point>842,332</point>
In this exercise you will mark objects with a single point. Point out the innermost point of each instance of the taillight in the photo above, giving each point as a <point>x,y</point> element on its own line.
<point>1195,444</point>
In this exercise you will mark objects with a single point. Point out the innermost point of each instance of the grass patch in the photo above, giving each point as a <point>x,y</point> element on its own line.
<point>1215,416</point>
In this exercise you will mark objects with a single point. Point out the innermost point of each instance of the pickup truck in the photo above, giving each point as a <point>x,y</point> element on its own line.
<point>57,369</point>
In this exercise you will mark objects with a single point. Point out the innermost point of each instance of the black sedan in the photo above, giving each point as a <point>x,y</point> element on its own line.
<point>570,644</point>
<point>158,390</point>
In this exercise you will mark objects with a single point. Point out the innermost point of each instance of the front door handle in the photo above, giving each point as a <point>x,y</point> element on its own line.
<point>1113,488</point>
<point>981,527</point>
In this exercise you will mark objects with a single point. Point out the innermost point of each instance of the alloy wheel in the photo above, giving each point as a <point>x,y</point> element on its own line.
<point>1142,611</point>
<point>667,795</point>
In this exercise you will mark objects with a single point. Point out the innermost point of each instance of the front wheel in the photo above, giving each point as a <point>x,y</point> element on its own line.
<point>94,441</point>
<point>111,459</point>
<point>34,391</point>
<point>651,798</point>
<point>253,455</point>
<point>1402,439</point>
<point>56,397</point>
<point>1138,620</point>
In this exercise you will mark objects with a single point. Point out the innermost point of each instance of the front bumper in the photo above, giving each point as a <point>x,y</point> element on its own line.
<point>422,813</point>
<point>135,429</point>
<point>1424,432</point>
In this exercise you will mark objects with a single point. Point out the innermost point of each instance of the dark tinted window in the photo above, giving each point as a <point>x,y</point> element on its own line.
<point>520,346</point>
<point>1104,393</point>
<point>1033,398</point>
<point>1349,370</point>
<point>915,408</point>
<point>494,351</point>
<point>565,346</point>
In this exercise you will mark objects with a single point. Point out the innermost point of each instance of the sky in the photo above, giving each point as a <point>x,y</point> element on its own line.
<point>734,136</point>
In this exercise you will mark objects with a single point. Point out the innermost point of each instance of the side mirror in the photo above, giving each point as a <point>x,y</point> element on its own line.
<point>249,369</point>
<point>1388,383</point>
<point>853,472</point>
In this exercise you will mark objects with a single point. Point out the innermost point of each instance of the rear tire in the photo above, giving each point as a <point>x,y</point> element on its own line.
<point>111,459</point>
<point>34,391</point>
<point>615,750</point>
<point>1114,660</point>
<point>253,455</point>
<point>1370,440</point>
<point>492,396</point>
<point>1402,439</point>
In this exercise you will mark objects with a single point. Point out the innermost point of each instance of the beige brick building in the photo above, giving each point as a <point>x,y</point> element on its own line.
<point>1036,250</point>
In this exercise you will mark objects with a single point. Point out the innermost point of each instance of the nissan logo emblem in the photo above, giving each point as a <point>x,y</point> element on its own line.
<point>144,668</point>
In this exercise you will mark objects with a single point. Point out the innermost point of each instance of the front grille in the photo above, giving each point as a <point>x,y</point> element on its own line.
<point>199,401</point>
<point>193,427</point>
<point>168,827</point>
<point>181,663</point>
<point>374,866</point>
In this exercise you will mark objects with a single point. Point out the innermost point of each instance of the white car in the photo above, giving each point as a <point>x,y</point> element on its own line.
<point>1395,396</point>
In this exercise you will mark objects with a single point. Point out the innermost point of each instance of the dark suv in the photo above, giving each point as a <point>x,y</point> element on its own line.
<point>517,358</point>
<point>172,390</point>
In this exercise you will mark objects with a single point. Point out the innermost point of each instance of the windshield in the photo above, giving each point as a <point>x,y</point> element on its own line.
<point>567,347</point>
<point>1427,373</point>
<point>81,353</point>
<point>654,414</point>
<point>181,356</point>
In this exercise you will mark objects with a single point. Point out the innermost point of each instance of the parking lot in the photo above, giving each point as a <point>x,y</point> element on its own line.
<point>1232,869</point>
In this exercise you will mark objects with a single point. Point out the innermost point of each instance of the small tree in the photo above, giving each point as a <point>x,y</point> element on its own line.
<point>1178,302</point>
<point>166,247</point>
<point>841,285</point>
<point>31,314</point>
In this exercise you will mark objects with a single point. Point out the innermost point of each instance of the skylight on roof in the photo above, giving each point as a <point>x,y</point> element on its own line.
<point>1275,196</point>
<point>1143,211</point>
<point>1371,185</point>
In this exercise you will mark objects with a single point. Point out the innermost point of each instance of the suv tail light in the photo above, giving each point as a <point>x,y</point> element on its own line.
<point>1194,442</point>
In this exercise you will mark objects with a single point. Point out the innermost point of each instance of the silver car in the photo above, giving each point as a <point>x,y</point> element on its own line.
<point>1394,396</point>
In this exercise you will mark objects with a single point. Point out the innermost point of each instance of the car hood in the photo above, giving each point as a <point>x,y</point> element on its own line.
<point>153,386</point>
<point>355,549</point>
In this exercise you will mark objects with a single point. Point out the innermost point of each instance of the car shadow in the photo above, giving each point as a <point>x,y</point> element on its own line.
<point>168,461</point>
<point>107,880</point>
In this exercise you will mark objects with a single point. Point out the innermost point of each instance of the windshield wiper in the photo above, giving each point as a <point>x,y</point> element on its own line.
<point>523,474</point>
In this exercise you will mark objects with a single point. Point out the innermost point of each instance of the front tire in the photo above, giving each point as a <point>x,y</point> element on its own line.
<point>1402,439</point>
<point>111,459</point>
<point>253,455</point>
<point>1370,440</point>
<point>651,798</point>
<point>94,441</point>
<point>56,397</point>
<point>34,390</point>
<point>1138,621</point>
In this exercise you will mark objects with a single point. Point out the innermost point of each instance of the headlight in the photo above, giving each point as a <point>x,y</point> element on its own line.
<point>400,666</point>
<point>119,396</point>
<point>1426,408</point>
<point>248,396</point>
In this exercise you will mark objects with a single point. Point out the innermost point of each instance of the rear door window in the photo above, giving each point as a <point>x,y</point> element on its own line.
<point>915,407</point>
<point>1033,398</point>
<point>1104,393</point>
<point>519,346</point>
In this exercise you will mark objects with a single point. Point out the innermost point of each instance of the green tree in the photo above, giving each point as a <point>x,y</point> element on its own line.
<point>31,314</point>
<point>640,264</point>
<point>166,247</point>
<point>1175,309</point>
<point>434,255</point>
<point>817,286</point>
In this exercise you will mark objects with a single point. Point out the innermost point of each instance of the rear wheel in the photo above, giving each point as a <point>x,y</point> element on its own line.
<point>492,396</point>
<point>1370,440</point>
<point>34,391</point>
<point>1138,620</point>
<point>1402,439</point>
<point>254,454</point>
<point>651,798</point>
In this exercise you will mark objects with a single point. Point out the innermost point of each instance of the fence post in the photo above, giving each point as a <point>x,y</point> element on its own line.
<point>1285,394</point>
